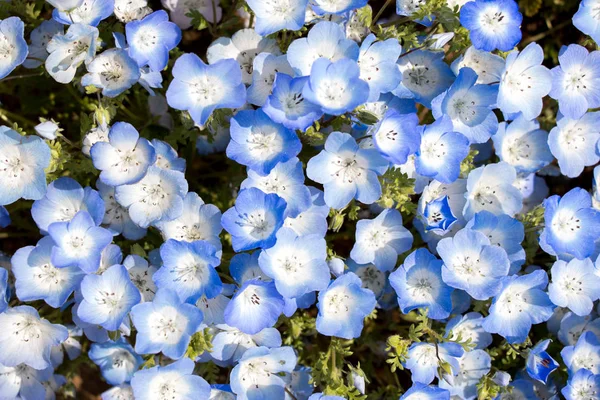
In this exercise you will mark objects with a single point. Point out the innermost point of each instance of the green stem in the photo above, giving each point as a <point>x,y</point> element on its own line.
<point>10,78</point>
<point>381,10</point>
<point>16,117</point>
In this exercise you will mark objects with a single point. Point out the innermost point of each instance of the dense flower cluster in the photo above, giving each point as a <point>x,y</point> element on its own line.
<point>392,185</point>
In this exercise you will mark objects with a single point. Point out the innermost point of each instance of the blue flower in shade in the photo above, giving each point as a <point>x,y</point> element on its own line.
<point>492,24</point>
<point>4,217</point>
<point>125,158</point>
<point>539,363</point>
<point>117,219</point>
<point>347,171</point>
<point>381,240</point>
<point>420,391</point>
<point>254,220</point>
<point>151,39</point>
<point>468,327</point>
<point>166,155</point>
<point>586,20</point>
<point>244,266</point>
<point>277,15</point>
<point>230,344</point>
<point>343,307</point>
<point>583,384</point>
<point>113,71</point>
<point>469,106</point>
<point>68,51</point>
<point>4,290</point>
<point>63,199</point>
<point>22,163</point>
<point>200,89</point>
<point>585,354</point>
<point>107,298</point>
<point>321,396</point>
<point>88,12</point>
<point>571,326</point>
<point>575,285</point>
<point>372,278</point>
<point>473,365</point>
<point>521,303</point>
<point>313,219</point>
<point>396,136</point>
<point>438,215</point>
<point>286,104</point>
<point>377,62</point>
<point>259,143</point>
<point>36,277</point>
<point>24,382</point>
<point>40,36</point>
<point>173,380</point>
<point>571,225</point>
<point>78,242</point>
<point>265,68</point>
<point>418,284</point>
<point>65,5</point>
<point>441,151</point>
<point>255,306</point>
<point>423,360</point>
<point>488,66</point>
<point>165,325</point>
<point>189,270</point>
<point>296,263</point>
<point>321,7</point>
<point>14,46</point>
<point>336,86</point>
<point>117,360</point>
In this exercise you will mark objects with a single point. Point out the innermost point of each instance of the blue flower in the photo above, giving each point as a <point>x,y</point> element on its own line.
<point>418,284</point>
<point>585,354</point>
<point>14,46</point>
<point>585,19</point>
<point>256,306</point>
<point>539,363</point>
<point>377,62</point>
<point>343,307</point>
<point>117,360</point>
<point>372,278</point>
<point>65,5</point>
<point>521,303</point>
<point>582,384</point>
<point>266,67</point>
<point>424,358</point>
<point>117,219</point>
<point>347,171</point>
<point>4,217</point>
<point>312,220</point>
<point>107,298</point>
<point>254,220</point>
<point>4,290</point>
<point>166,155</point>
<point>488,66</point>
<point>22,163</point>
<point>88,12</point>
<point>396,136</point>
<point>113,71</point>
<point>572,325</point>
<point>321,7</point>
<point>420,391</point>
<point>151,39</point>
<point>173,380</point>
<point>469,327</point>
<point>575,285</point>
<point>492,24</point>
<point>230,344</point>
<point>200,89</point>
<point>189,269</point>
<point>473,365</point>
<point>68,51</point>
<point>438,215</point>
<point>277,15</point>
<point>259,143</point>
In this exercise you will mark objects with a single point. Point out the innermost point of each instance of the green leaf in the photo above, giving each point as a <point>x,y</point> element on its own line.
<point>200,342</point>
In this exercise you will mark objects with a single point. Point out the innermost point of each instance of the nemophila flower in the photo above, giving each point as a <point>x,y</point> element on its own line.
<point>468,327</point>
<point>39,37</point>
<point>586,19</point>
<point>13,47</point>
<point>27,339</point>
<point>492,24</point>
<point>200,89</point>
<point>576,80</point>
<point>89,12</point>
<point>22,163</point>
<point>113,71</point>
<point>322,7</point>
<point>36,277</point>
<point>324,40</point>
<point>165,325</point>
<point>141,273</point>
<point>572,326</point>
<point>575,285</point>
<point>117,360</point>
<point>179,8</point>
<point>254,220</point>
<point>131,10</point>
<point>525,81</point>
<point>312,220</point>
<point>539,363</point>
<point>213,309</point>
<point>68,51</point>
<point>266,67</point>
<point>488,66</point>
<point>63,199</point>
<point>424,76</point>
<point>151,39</point>
<point>582,385</point>
<point>296,263</point>
<point>273,16</point>
<point>336,86</point>
<point>585,354</point>
<point>65,5</point>
<point>372,278</point>
<point>420,391</point>
<point>473,365</point>
<point>175,381</point>
<point>490,188</point>
<point>441,151</point>
<point>418,284</point>
<point>256,306</point>
<point>244,266</point>
<point>347,171</point>
<point>377,62</point>
<point>321,396</point>
<point>343,307</point>
<point>116,218</point>
<point>574,143</point>
<point>24,382</point>
<point>230,344</point>
<point>259,143</point>
<point>96,134</point>
<point>396,136</point>
<point>120,392</point>
<point>472,264</point>
<point>110,256</point>
<point>381,240</point>
<point>438,215</point>
<point>424,358</point>
<point>189,269</point>
<point>521,303</point>
<point>48,130</point>
<point>107,298</point>
<point>157,196</point>
<point>469,107</point>
<point>5,289</point>
<point>261,373</point>
<point>571,225</point>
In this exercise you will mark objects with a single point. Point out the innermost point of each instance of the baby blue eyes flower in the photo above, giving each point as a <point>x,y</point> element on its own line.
<point>493,24</point>
<point>22,163</point>
<point>230,344</point>
<point>396,136</point>
<point>521,303</point>
<point>423,359</point>
<point>347,171</point>
<point>24,382</point>
<point>175,380</point>
<point>438,215</point>
<point>377,62</point>
<point>469,327</point>
<point>113,71</point>
<point>65,5</point>
<point>487,66</point>
<point>321,7</point>
<point>343,307</point>
<point>89,12</point>
<point>151,39</point>
<point>420,391</point>
<point>117,219</point>
<point>473,365</point>
<point>200,89</point>
<point>14,47</point>
<point>276,15</point>
<point>117,360</point>
<point>69,51</point>
<point>575,285</point>
<point>582,384</point>
<point>265,68</point>
<point>259,143</point>
<point>585,354</point>
<point>312,220</point>
<point>586,19</point>
<point>539,363</point>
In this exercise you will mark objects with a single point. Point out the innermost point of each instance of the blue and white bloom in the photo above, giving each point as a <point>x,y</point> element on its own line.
<point>4,289</point>
<point>116,218</point>
<point>276,15</point>
<point>24,382</point>
<point>586,19</point>
<point>230,344</point>
<point>343,307</point>
<point>420,391</point>
<point>89,12</point>
<point>65,5</point>
<point>438,216</point>
<point>189,269</point>
<point>473,365</point>
<point>575,285</point>
<point>107,298</point>
<point>377,62</point>
<point>372,278</point>
<point>13,47</point>
<point>582,384</point>
<point>468,327</point>
<point>117,360</point>
<point>321,7</point>
<point>175,381</point>
<point>487,66</point>
<point>521,303</point>
<point>266,67</point>
<point>492,24</point>
<point>22,163</point>
<point>166,155</point>
<point>314,219</point>
<point>585,354</point>
<point>347,171</point>
<point>539,363</point>
<point>131,10</point>
<point>69,51</point>
<point>423,360</point>
<point>125,158</point>
<point>141,273</point>
<point>113,71</point>
<point>396,136</point>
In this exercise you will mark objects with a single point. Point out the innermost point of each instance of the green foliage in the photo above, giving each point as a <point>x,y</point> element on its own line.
<point>200,342</point>
<point>488,389</point>
<point>295,329</point>
<point>397,350</point>
<point>330,368</point>
<point>397,189</point>
<point>533,222</point>
<point>198,21</point>
<point>467,165</point>
<point>530,7</point>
